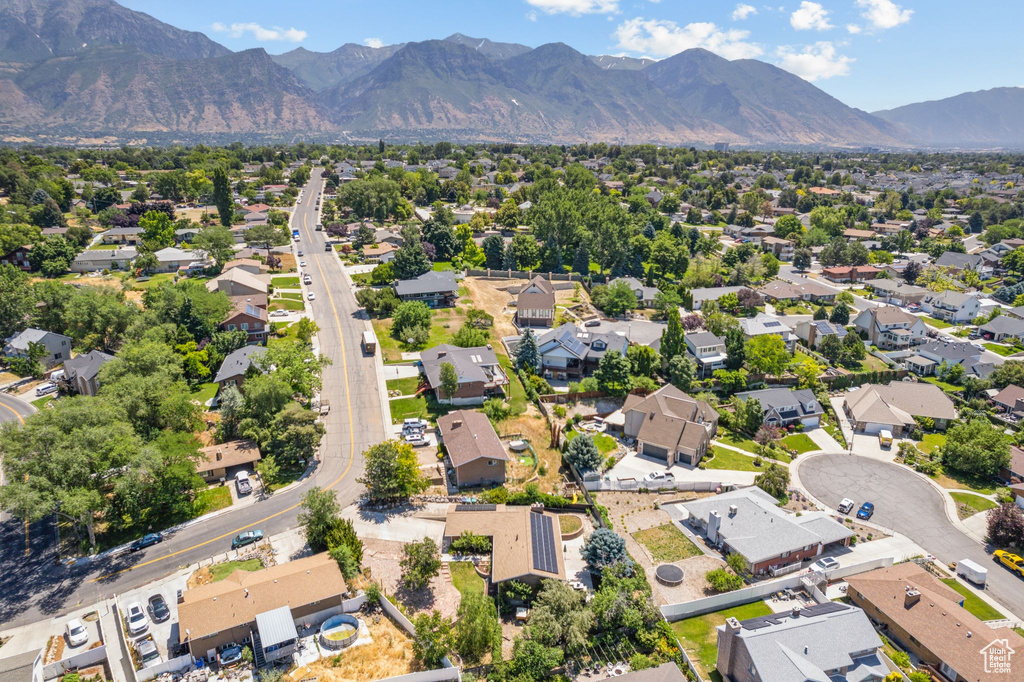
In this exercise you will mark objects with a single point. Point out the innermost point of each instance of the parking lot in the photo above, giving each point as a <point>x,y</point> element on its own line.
<point>165,634</point>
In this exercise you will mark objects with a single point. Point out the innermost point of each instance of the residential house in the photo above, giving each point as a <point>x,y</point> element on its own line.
<point>762,324</point>
<point>526,542</point>
<point>81,371</point>
<point>925,617</point>
<point>93,260</point>
<point>18,257</point>
<point>535,304</point>
<point>379,253</point>
<point>186,235</point>
<point>830,641</point>
<point>669,425</point>
<point>235,455</point>
<point>238,282</point>
<point>234,367</point>
<point>890,328</point>
<point>1009,400</point>
<point>479,373</point>
<point>57,347</point>
<point>898,292</point>
<point>436,289</point>
<point>53,231</point>
<point>1003,328</point>
<point>850,273</point>
<point>248,318</point>
<point>386,236</point>
<point>929,356</point>
<point>250,265</point>
<point>708,351</point>
<point>813,332</point>
<point>873,408</point>
<point>699,296</point>
<point>951,306</point>
<point>858,235</point>
<point>266,603</point>
<point>801,290</point>
<point>644,294</point>
<point>122,235</point>
<point>475,454</point>
<point>783,249</point>
<point>783,406</point>
<point>1013,472</point>
<point>771,540</point>
<point>568,352</point>
<point>960,262</point>
<point>173,259</point>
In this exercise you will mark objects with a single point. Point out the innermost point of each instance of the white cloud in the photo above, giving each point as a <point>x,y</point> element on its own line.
<point>575,7</point>
<point>665,38</point>
<point>811,15</point>
<point>815,62</point>
<point>237,30</point>
<point>853,29</point>
<point>531,15</point>
<point>743,11</point>
<point>373,42</point>
<point>884,14</point>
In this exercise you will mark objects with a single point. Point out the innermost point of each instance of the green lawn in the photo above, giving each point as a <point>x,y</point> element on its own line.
<point>285,477</point>
<point>954,480</point>
<point>1001,350</point>
<point>212,499</point>
<point>222,570</point>
<point>204,392</point>
<point>730,460</point>
<point>930,442</point>
<point>870,364</point>
<point>606,445</point>
<point>975,502</point>
<point>800,442</point>
<point>103,247</point>
<point>516,392</point>
<point>938,324</point>
<point>700,638</point>
<point>407,385</point>
<point>973,603</point>
<point>293,295</point>
<point>40,403</point>
<point>153,281</point>
<point>286,304</point>
<point>424,406</point>
<point>465,578</point>
<point>443,324</point>
<point>285,282</point>
<point>948,388</point>
<point>667,543</point>
<point>443,266</point>
<point>731,438</point>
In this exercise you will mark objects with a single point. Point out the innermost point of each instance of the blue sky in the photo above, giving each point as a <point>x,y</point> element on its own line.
<point>871,54</point>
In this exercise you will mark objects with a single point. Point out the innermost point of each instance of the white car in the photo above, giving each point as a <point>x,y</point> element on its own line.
<point>416,440</point>
<point>311,296</point>
<point>279,313</point>
<point>302,263</point>
<point>846,506</point>
<point>44,389</point>
<point>135,616</point>
<point>307,280</point>
<point>825,563</point>
<point>76,632</point>
<point>661,476</point>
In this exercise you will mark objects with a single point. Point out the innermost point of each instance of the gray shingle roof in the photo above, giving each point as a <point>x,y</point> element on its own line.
<point>87,365</point>
<point>237,362</point>
<point>427,283</point>
<point>478,364</point>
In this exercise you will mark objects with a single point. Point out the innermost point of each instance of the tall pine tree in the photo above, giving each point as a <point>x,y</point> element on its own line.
<point>222,197</point>
<point>672,342</point>
<point>528,353</point>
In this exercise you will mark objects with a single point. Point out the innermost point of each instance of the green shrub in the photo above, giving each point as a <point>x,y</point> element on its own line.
<point>471,543</point>
<point>559,411</point>
<point>722,580</point>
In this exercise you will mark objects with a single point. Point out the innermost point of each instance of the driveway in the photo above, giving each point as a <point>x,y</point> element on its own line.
<point>637,467</point>
<point>909,505</point>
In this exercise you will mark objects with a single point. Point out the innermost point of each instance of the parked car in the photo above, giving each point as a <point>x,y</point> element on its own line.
<point>307,280</point>
<point>136,619</point>
<point>47,388</point>
<point>1012,561</point>
<point>249,537</point>
<point>846,506</point>
<point>302,263</point>
<point>230,655</point>
<point>76,633</point>
<point>661,476</point>
<point>300,253</point>
<point>243,483</point>
<point>825,563</point>
<point>415,422</point>
<point>592,323</point>
<point>416,440</point>
<point>279,313</point>
<point>865,511</point>
<point>311,296</point>
<point>148,654</point>
<point>158,609</point>
<point>146,540</point>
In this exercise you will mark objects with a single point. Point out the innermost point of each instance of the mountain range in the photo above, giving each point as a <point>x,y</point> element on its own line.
<point>92,68</point>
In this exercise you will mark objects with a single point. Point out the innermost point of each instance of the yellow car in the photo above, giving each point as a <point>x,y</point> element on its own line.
<point>1010,560</point>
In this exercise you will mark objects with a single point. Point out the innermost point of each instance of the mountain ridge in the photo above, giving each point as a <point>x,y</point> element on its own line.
<point>978,118</point>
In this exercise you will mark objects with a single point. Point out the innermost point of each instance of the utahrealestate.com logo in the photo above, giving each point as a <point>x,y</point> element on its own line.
<point>997,657</point>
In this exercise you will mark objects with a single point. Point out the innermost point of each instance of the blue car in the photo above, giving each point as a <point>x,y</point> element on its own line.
<point>865,511</point>
<point>146,540</point>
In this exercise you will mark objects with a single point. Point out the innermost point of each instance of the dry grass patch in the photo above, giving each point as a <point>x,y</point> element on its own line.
<point>534,428</point>
<point>490,296</point>
<point>666,543</point>
<point>388,655</point>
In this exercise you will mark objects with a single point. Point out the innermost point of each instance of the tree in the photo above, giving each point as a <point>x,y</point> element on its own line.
<point>672,339</point>
<point>346,562</point>
<point>603,548</point>
<point>222,198</point>
<point>774,480</point>
<point>532,661</point>
<point>1010,372</point>
<point>494,251</point>
<point>449,380</point>
<point>787,225</point>
<point>52,256</point>
<point>808,372</point>
<point>976,448</point>
<point>392,472</point>
<point>265,237</point>
<point>612,374</point>
<point>157,230</point>
<point>767,354</point>
<point>433,639</point>
<point>217,242</point>
<point>681,372</point>
<point>581,260</point>
<point>1006,526</point>
<point>320,511</point>
<point>840,314</point>
<point>802,259</point>
<point>615,299</point>
<point>16,299</point>
<point>721,580</point>
<point>644,359</point>
<point>749,414</point>
<point>583,454</point>
<point>853,349</point>
<point>420,562</point>
<point>912,272</point>
<point>408,315</point>
<point>476,628</point>
<point>730,381</point>
<point>528,353</point>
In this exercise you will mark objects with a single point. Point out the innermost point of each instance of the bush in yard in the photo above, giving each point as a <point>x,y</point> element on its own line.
<point>421,562</point>
<point>433,638</point>
<point>559,411</point>
<point>409,315</point>
<point>774,481</point>
<point>476,627</point>
<point>737,563</point>
<point>582,453</point>
<point>471,543</point>
<point>604,548</point>
<point>901,660</point>
<point>1006,526</point>
<point>976,448</point>
<point>722,580</point>
<point>346,563</point>
<point>496,410</point>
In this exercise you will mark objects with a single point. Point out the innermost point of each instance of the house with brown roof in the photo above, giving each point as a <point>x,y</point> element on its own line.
<point>526,542</point>
<point>925,617</point>
<point>783,249</point>
<point>535,305</point>
<point>479,373</point>
<point>850,273</point>
<point>217,459</point>
<point>889,327</point>
<point>1013,472</point>
<point>801,290</point>
<point>669,425</point>
<point>858,235</point>
<point>238,282</point>
<point>18,257</point>
<point>475,453</point>
<point>873,408</point>
<point>1010,399</point>
<point>250,265</point>
<point>264,603</point>
<point>248,317</point>
<point>379,253</point>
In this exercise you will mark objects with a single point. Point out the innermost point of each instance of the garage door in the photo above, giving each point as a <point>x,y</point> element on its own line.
<point>655,451</point>
<point>811,422</point>
<point>872,429</point>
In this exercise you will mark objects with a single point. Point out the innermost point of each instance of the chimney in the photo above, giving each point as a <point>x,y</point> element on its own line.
<point>726,638</point>
<point>733,509</point>
<point>911,597</point>
<point>795,613</point>
<point>714,524</point>
<point>442,353</point>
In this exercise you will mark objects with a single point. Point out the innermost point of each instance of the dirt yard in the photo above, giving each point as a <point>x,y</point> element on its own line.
<point>388,655</point>
<point>382,557</point>
<point>534,428</point>
<point>492,296</point>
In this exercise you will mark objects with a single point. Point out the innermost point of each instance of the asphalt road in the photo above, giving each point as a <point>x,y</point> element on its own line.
<point>14,409</point>
<point>33,586</point>
<point>909,505</point>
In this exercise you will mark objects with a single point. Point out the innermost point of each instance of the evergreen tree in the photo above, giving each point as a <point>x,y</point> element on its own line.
<point>527,353</point>
<point>672,340</point>
<point>581,261</point>
<point>222,197</point>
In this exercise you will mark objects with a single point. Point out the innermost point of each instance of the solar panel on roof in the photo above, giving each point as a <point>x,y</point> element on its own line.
<point>771,324</point>
<point>475,507</point>
<point>542,537</point>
